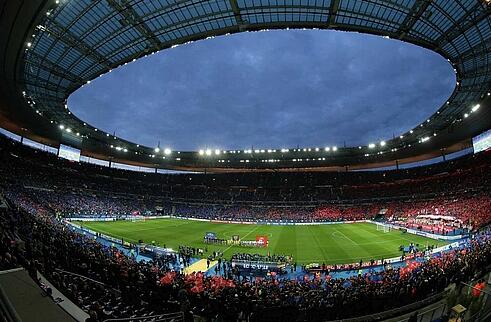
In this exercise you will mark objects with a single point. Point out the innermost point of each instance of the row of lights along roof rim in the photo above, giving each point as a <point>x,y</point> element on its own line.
<point>455,43</point>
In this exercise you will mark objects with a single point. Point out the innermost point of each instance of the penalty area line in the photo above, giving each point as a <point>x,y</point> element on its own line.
<point>343,235</point>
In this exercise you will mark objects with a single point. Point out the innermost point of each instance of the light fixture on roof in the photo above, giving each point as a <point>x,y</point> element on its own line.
<point>382,143</point>
<point>167,151</point>
<point>475,107</point>
<point>217,152</point>
<point>156,150</point>
<point>201,152</point>
<point>334,148</point>
<point>69,130</point>
<point>208,152</point>
<point>61,126</point>
<point>371,145</point>
<point>466,115</point>
<point>327,149</point>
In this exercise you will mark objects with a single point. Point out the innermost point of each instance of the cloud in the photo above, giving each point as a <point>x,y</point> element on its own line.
<point>270,89</point>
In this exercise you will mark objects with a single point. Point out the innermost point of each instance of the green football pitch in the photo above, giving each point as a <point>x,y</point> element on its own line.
<point>330,244</point>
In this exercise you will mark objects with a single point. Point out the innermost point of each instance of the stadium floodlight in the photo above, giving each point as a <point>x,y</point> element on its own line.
<point>475,107</point>
<point>401,137</point>
<point>217,152</point>
<point>316,149</point>
<point>167,151</point>
<point>334,148</point>
<point>69,130</point>
<point>208,152</point>
<point>411,131</point>
<point>327,149</point>
<point>284,150</point>
<point>201,152</point>
<point>382,143</point>
<point>466,115</point>
<point>371,145</point>
<point>157,150</point>
<point>61,126</point>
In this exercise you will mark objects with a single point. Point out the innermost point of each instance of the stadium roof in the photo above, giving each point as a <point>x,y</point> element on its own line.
<point>52,48</point>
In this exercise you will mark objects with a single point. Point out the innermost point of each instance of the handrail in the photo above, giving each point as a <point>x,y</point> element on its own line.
<point>89,279</point>
<point>399,310</point>
<point>175,317</point>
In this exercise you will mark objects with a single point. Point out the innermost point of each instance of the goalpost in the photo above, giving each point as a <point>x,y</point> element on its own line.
<point>382,227</point>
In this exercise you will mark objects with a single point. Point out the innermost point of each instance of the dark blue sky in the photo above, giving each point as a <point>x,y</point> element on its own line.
<point>269,90</point>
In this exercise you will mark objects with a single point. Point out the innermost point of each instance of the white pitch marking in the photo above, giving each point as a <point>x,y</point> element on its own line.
<point>243,237</point>
<point>343,235</point>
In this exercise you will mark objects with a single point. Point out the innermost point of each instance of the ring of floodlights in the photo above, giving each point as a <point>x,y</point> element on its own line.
<point>73,42</point>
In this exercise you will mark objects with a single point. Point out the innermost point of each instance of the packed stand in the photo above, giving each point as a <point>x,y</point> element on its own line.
<point>38,241</point>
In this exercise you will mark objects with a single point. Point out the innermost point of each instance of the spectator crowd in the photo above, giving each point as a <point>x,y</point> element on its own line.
<point>109,284</point>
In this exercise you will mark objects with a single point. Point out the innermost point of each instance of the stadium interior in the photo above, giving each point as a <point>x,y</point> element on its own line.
<point>94,227</point>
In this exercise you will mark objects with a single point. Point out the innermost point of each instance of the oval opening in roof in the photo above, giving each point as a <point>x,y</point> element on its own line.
<point>270,90</point>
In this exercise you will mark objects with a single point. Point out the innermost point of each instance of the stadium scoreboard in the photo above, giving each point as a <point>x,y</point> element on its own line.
<point>482,142</point>
<point>69,153</point>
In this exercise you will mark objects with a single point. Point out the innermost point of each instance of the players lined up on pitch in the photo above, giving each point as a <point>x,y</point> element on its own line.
<point>34,238</point>
<point>459,189</point>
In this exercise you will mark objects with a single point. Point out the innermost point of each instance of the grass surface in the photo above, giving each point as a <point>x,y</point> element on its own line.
<point>330,244</point>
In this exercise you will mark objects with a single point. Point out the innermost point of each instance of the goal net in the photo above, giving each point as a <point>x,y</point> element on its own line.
<point>383,228</point>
